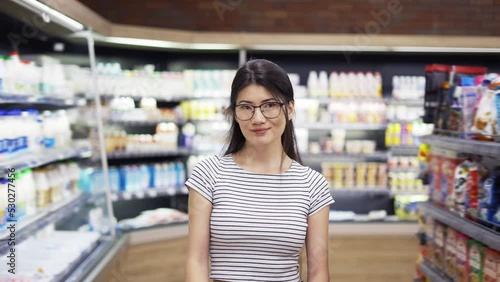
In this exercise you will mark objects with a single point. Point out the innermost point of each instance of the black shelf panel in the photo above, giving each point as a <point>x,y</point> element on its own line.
<point>433,274</point>
<point>476,147</point>
<point>327,100</point>
<point>325,157</point>
<point>463,225</point>
<point>38,101</point>
<point>30,160</point>
<point>27,226</point>
<point>347,126</point>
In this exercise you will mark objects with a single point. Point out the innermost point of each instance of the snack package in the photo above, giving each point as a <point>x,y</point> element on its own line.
<point>489,196</point>
<point>448,166</point>
<point>435,177</point>
<point>429,234</point>
<point>462,174</point>
<point>468,100</point>
<point>476,253</point>
<point>491,265</point>
<point>450,252</point>
<point>485,123</point>
<point>477,175</point>
<point>461,258</point>
<point>439,242</point>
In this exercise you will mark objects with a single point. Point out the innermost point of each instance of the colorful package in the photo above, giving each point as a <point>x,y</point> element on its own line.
<point>485,122</point>
<point>477,175</point>
<point>448,166</point>
<point>476,253</point>
<point>450,252</point>
<point>429,234</point>
<point>461,258</point>
<point>435,178</point>
<point>439,242</point>
<point>491,265</point>
<point>489,196</point>
<point>462,174</point>
<point>468,100</point>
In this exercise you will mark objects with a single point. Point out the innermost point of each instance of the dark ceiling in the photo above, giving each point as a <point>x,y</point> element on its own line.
<point>450,17</point>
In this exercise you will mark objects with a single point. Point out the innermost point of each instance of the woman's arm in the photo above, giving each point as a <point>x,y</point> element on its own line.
<point>200,210</point>
<point>317,246</point>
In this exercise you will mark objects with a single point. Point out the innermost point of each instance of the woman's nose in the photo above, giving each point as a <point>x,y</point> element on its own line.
<point>258,117</point>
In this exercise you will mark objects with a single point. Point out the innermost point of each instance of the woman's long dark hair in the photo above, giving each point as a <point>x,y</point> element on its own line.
<point>276,81</point>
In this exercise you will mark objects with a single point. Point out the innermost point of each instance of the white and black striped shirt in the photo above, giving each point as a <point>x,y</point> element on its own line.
<point>259,221</point>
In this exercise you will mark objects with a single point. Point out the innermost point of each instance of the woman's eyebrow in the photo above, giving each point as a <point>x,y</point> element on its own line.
<point>263,101</point>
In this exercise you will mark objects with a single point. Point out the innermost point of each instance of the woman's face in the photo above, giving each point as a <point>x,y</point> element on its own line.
<point>261,130</point>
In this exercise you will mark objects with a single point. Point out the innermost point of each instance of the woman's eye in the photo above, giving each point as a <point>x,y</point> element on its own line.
<point>270,105</point>
<point>246,108</point>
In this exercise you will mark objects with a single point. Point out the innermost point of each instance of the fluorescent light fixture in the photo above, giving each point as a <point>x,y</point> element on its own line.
<point>54,15</point>
<point>444,49</point>
<point>169,44</point>
<point>294,47</point>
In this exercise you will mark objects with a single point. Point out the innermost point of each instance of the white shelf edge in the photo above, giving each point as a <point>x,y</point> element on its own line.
<point>476,147</point>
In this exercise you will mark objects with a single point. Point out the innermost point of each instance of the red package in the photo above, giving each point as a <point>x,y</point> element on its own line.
<point>448,166</point>
<point>491,266</point>
<point>439,243</point>
<point>450,251</point>
<point>461,258</point>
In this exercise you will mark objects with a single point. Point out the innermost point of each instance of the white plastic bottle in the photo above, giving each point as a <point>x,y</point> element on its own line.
<point>30,191</point>
<point>42,190</point>
<point>323,84</point>
<point>313,84</point>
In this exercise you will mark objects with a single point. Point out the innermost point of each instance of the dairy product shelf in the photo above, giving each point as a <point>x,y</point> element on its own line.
<point>27,226</point>
<point>29,160</point>
<point>39,100</point>
<point>149,154</point>
<point>463,225</point>
<point>491,149</point>
<point>148,193</point>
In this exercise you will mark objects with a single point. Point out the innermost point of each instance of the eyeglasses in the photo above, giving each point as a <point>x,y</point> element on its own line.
<point>269,110</point>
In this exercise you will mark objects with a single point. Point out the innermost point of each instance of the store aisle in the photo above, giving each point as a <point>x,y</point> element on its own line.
<point>353,259</point>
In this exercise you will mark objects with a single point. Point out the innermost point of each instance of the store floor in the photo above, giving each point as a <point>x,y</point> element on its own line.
<point>352,259</point>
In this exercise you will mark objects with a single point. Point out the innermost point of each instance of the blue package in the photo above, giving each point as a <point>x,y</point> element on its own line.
<point>493,214</point>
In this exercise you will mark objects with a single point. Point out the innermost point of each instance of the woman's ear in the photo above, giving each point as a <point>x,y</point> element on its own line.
<point>291,108</point>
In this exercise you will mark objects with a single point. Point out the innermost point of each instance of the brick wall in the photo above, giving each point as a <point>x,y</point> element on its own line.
<point>450,17</point>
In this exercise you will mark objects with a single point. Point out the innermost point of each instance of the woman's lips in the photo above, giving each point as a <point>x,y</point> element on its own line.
<point>260,131</point>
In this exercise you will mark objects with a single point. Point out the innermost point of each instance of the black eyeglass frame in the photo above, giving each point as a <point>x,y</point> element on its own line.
<point>254,107</point>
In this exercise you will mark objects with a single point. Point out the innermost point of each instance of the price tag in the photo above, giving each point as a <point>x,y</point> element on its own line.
<point>139,195</point>
<point>152,193</point>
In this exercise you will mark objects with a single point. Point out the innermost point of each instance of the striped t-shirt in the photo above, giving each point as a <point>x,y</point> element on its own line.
<point>259,221</point>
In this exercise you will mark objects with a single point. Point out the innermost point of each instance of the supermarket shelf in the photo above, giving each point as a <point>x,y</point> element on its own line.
<point>348,126</point>
<point>27,226</point>
<point>96,261</point>
<point>432,273</point>
<point>173,99</point>
<point>159,154</point>
<point>372,191</point>
<point>148,193</point>
<point>324,157</point>
<point>41,101</point>
<point>484,148</point>
<point>406,102</point>
<point>465,226</point>
<point>140,122</point>
<point>326,100</point>
<point>30,160</point>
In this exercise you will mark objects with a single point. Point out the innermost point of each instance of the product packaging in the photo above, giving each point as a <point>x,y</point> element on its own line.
<point>435,163</point>
<point>462,174</point>
<point>429,234</point>
<point>477,176</point>
<point>439,243</point>
<point>449,164</point>
<point>489,200</point>
<point>462,258</point>
<point>450,252</point>
<point>491,266</point>
<point>485,123</point>
<point>476,254</point>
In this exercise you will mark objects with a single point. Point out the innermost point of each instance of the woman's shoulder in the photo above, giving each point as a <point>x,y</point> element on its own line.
<point>306,172</point>
<point>212,161</point>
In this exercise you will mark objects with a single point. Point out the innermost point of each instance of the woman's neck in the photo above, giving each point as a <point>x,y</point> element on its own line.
<point>269,159</point>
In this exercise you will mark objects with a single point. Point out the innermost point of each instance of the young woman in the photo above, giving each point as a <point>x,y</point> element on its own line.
<point>252,209</point>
